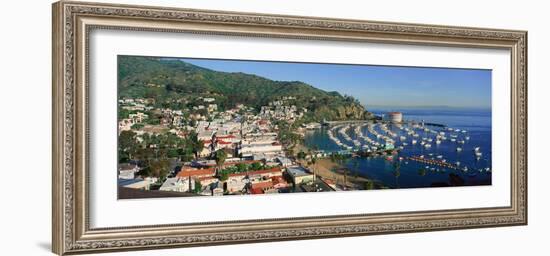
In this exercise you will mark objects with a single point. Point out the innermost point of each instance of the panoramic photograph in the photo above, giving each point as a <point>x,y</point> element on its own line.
<point>210,127</point>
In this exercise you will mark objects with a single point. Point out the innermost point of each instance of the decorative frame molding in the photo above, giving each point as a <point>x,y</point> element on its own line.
<point>72,22</point>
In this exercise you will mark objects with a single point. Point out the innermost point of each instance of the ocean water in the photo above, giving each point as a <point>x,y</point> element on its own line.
<point>476,123</point>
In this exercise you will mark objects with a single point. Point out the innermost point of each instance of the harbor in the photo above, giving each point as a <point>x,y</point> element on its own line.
<point>415,152</point>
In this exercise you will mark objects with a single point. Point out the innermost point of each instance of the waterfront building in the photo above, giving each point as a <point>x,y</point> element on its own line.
<point>395,117</point>
<point>299,174</point>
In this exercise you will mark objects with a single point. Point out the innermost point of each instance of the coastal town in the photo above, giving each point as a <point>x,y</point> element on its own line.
<point>237,151</point>
<point>185,130</point>
<point>207,152</point>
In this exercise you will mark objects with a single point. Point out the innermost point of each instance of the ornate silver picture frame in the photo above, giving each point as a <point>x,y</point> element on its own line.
<point>72,24</point>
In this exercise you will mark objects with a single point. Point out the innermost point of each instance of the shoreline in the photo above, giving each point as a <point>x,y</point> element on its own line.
<point>327,169</point>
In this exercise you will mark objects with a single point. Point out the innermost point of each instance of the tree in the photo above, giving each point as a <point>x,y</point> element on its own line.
<point>127,145</point>
<point>196,144</point>
<point>223,176</point>
<point>159,168</point>
<point>255,166</point>
<point>301,155</point>
<point>241,167</point>
<point>220,157</point>
<point>198,186</point>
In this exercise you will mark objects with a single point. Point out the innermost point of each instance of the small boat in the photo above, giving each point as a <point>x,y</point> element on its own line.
<point>437,142</point>
<point>478,154</point>
<point>476,149</point>
<point>428,145</point>
<point>439,156</point>
<point>467,138</point>
<point>458,149</point>
<point>453,139</point>
<point>413,142</point>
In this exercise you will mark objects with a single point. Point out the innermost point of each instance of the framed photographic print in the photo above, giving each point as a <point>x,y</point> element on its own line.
<point>179,127</point>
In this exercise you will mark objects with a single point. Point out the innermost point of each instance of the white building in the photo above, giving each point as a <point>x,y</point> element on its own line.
<point>127,171</point>
<point>178,184</point>
<point>284,161</point>
<point>235,185</point>
<point>251,149</point>
<point>299,174</point>
<point>395,117</point>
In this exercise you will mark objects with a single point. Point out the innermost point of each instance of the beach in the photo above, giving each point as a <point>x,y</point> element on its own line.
<point>335,172</point>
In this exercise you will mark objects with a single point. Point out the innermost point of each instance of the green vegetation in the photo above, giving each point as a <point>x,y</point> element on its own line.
<point>178,85</point>
<point>223,174</point>
<point>153,151</point>
<point>198,186</point>
<point>369,185</point>
<point>220,157</point>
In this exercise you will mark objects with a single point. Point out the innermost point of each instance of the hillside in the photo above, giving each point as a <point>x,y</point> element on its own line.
<point>169,81</point>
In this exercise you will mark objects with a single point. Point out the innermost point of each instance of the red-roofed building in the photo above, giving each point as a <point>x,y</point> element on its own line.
<point>276,171</point>
<point>223,142</point>
<point>186,172</point>
<point>262,185</point>
<point>256,191</point>
<point>226,164</point>
<point>279,182</point>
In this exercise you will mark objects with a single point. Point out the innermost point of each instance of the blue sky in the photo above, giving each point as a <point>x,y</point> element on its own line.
<point>386,86</point>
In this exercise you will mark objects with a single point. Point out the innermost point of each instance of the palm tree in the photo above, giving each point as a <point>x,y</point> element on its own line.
<point>196,144</point>
<point>220,157</point>
<point>313,162</point>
